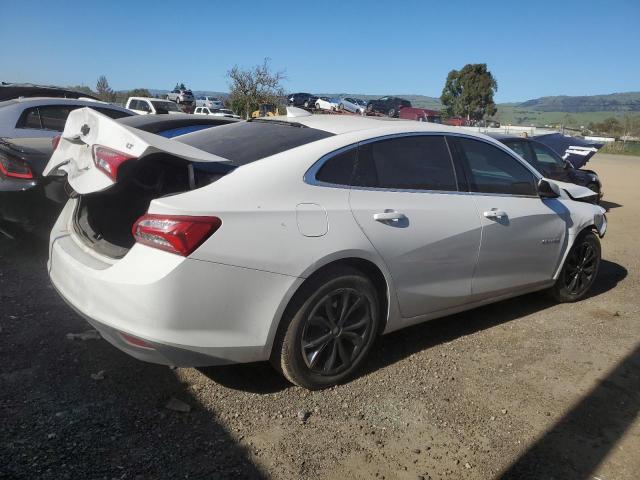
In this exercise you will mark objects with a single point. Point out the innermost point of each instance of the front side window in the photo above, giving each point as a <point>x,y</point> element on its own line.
<point>492,170</point>
<point>522,148</point>
<point>547,160</point>
<point>416,162</point>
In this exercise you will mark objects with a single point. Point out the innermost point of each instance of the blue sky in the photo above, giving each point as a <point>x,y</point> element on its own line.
<point>533,48</point>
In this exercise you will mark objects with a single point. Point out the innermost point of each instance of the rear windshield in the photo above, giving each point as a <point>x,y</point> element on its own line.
<point>246,142</point>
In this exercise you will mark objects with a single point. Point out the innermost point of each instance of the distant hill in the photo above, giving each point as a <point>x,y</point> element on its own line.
<point>614,102</point>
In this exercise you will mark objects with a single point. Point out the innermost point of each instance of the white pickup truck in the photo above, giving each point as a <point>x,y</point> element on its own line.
<point>146,105</point>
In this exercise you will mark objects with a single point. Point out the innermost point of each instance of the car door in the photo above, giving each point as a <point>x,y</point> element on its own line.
<point>406,201</point>
<point>523,235</point>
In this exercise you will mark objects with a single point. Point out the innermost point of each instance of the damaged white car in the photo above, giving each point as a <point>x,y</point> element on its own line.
<point>299,239</point>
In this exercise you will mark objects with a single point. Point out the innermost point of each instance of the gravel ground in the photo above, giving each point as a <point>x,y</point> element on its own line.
<point>519,389</point>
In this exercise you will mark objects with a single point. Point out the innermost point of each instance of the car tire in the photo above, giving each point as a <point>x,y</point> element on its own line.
<point>328,329</point>
<point>306,104</point>
<point>421,119</point>
<point>391,113</point>
<point>579,271</point>
<point>341,107</point>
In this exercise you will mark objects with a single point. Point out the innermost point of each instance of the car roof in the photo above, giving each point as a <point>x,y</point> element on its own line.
<point>159,122</point>
<point>43,101</point>
<point>150,98</point>
<point>341,124</point>
<point>507,136</point>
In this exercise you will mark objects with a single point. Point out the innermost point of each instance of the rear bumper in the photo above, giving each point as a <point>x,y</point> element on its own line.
<point>191,312</point>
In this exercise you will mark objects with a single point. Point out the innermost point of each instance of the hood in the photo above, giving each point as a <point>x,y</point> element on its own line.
<point>571,190</point>
<point>576,150</point>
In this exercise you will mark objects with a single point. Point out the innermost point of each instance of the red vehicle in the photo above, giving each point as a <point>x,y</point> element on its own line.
<point>420,114</point>
<point>455,121</point>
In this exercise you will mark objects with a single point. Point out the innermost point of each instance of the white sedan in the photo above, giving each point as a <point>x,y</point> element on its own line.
<point>326,103</point>
<point>299,239</point>
<point>216,112</point>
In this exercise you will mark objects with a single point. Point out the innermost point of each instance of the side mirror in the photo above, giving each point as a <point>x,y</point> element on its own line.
<point>546,189</point>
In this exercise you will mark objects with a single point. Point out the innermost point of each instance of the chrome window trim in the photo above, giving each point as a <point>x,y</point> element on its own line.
<point>310,175</point>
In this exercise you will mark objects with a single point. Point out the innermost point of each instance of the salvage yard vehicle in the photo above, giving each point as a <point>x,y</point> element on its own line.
<point>389,106</point>
<point>326,103</point>
<point>298,239</point>
<point>146,106</point>
<point>45,117</point>
<point>305,100</point>
<point>181,95</point>
<point>420,114</point>
<point>550,164</point>
<point>10,91</point>
<point>218,112</point>
<point>211,102</point>
<point>353,105</point>
<point>32,202</point>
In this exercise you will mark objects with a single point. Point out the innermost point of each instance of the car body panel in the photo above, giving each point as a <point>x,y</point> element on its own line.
<point>261,246</point>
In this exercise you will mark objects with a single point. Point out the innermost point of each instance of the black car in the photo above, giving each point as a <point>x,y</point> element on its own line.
<point>9,91</point>
<point>549,163</point>
<point>305,100</point>
<point>32,202</point>
<point>389,106</point>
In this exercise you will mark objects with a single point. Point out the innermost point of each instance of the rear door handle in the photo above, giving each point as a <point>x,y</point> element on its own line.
<point>494,213</point>
<point>388,216</point>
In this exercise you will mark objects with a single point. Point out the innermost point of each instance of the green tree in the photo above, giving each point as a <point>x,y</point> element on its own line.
<point>469,92</point>
<point>83,89</point>
<point>105,93</point>
<point>251,87</point>
<point>139,92</point>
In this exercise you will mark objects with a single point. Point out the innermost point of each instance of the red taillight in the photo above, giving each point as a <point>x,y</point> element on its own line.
<point>173,233</point>
<point>14,167</point>
<point>109,160</point>
<point>55,141</point>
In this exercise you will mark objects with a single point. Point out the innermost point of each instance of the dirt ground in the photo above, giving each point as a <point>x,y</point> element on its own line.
<point>520,389</point>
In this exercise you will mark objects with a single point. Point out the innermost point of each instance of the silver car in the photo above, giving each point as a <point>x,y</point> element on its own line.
<point>353,105</point>
<point>179,95</point>
<point>45,117</point>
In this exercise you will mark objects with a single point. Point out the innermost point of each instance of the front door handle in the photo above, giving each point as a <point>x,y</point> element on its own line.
<point>388,216</point>
<point>495,213</point>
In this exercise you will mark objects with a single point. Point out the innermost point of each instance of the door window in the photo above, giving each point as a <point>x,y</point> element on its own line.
<point>30,118</point>
<point>492,170</point>
<point>547,159</point>
<point>416,162</point>
<point>54,117</point>
<point>339,168</point>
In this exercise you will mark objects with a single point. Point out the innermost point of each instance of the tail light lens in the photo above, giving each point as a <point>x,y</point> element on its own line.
<point>55,141</point>
<point>176,234</point>
<point>13,167</point>
<point>108,160</point>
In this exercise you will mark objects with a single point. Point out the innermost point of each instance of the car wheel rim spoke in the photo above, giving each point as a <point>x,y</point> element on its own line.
<point>336,331</point>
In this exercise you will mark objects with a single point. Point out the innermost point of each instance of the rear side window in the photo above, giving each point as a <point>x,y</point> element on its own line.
<point>492,170</point>
<point>30,118</point>
<point>413,162</point>
<point>338,170</point>
<point>246,142</point>
<point>54,117</point>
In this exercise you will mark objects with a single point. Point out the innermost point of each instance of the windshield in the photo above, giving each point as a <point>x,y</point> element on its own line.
<point>164,107</point>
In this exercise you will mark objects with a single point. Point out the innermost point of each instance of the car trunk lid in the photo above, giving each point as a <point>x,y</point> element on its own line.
<point>86,131</point>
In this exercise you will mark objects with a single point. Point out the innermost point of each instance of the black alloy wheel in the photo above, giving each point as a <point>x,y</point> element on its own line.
<point>335,331</point>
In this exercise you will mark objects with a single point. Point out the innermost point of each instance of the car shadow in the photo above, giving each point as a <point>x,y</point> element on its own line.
<point>577,444</point>
<point>259,377</point>
<point>609,205</point>
<point>403,343</point>
<point>60,422</point>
